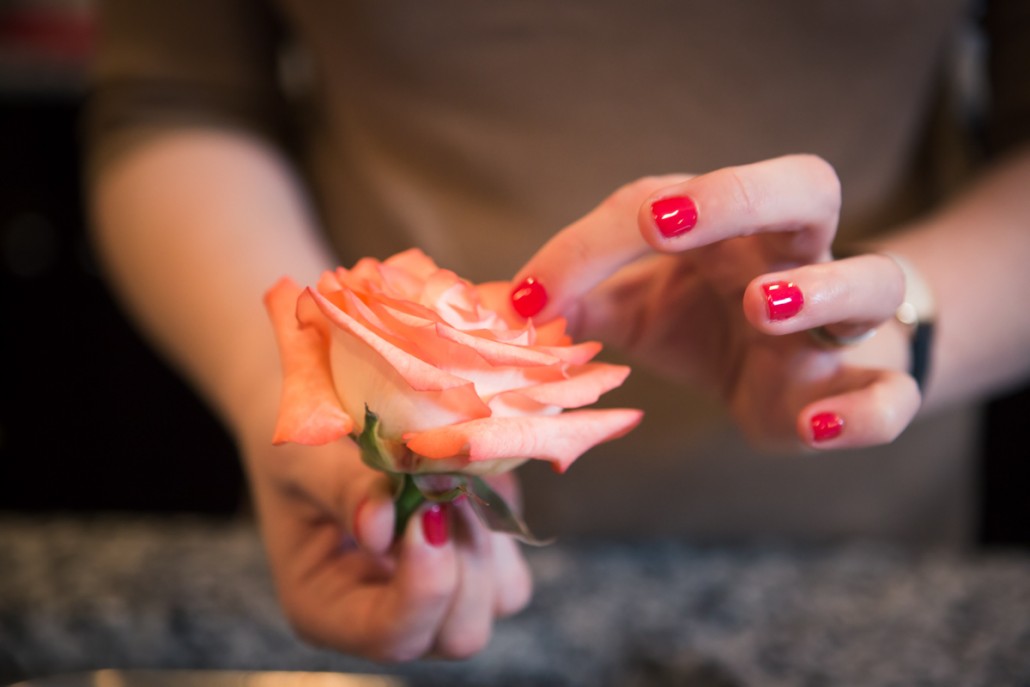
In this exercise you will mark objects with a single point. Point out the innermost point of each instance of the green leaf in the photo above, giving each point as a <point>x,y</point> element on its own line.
<point>497,515</point>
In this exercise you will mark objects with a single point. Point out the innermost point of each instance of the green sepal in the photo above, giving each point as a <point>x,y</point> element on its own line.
<point>372,450</point>
<point>441,487</point>
<point>495,513</point>
<point>411,491</point>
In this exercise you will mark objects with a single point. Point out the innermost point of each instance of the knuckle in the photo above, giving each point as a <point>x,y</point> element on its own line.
<point>573,247</point>
<point>627,198</point>
<point>742,193</point>
<point>399,650</point>
<point>433,589</point>
<point>893,413</point>
<point>894,281</point>
<point>515,597</point>
<point>824,178</point>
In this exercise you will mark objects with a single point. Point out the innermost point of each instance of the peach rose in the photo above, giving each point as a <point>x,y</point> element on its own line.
<point>454,381</point>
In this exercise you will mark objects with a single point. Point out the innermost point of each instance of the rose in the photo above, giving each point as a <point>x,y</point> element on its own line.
<point>433,374</point>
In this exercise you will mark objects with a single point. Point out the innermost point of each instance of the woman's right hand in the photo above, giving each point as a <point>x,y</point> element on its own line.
<point>715,279</point>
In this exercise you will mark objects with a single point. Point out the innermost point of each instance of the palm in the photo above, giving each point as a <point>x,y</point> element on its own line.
<point>681,316</point>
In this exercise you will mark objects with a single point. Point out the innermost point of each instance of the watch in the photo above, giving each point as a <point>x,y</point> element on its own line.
<point>918,312</point>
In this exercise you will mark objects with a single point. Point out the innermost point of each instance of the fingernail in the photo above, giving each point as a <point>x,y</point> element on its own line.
<point>674,216</point>
<point>436,524</point>
<point>529,297</point>
<point>826,426</point>
<point>783,299</point>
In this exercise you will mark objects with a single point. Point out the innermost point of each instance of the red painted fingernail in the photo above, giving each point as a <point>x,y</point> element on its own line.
<point>674,216</point>
<point>826,426</point>
<point>783,298</point>
<point>529,297</point>
<point>435,524</point>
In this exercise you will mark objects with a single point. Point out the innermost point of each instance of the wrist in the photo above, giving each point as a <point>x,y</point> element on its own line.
<point>918,314</point>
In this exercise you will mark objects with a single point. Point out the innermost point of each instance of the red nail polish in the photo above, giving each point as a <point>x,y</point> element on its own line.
<point>826,426</point>
<point>436,524</point>
<point>529,297</point>
<point>783,298</point>
<point>674,216</point>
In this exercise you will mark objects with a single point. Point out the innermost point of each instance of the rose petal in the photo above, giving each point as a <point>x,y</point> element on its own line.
<point>419,374</point>
<point>446,348</point>
<point>446,286</point>
<point>551,333</point>
<point>496,297</point>
<point>414,262</point>
<point>498,352</point>
<point>362,277</point>
<point>309,409</point>
<point>396,282</point>
<point>329,282</point>
<point>560,439</point>
<point>514,404</point>
<point>574,354</point>
<point>405,392</point>
<point>584,385</point>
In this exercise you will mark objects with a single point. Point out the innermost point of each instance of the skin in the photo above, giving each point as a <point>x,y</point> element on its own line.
<point>194,226</point>
<point>698,308</point>
<point>194,280</point>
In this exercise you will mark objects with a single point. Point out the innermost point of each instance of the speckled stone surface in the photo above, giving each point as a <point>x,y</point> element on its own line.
<point>186,593</point>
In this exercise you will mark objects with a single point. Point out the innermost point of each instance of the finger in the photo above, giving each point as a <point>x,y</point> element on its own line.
<point>795,197</point>
<point>795,200</point>
<point>875,413</point>
<point>372,525</point>
<point>847,296</point>
<point>586,252</point>
<point>513,583</point>
<point>404,617</point>
<point>513,586</point>
<point>469,621</point>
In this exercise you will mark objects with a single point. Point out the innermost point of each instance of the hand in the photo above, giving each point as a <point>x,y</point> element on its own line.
<point>343,582</point>
<point>714,279</point>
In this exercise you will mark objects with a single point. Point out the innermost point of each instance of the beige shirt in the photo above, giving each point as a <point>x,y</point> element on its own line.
<point>475,130</point>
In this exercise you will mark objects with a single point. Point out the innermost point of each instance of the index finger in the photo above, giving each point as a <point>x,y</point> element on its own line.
<point>796,196</point>
<point>585,253</point>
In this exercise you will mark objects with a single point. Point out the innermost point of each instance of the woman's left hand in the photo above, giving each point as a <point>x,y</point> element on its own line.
<point>716,279</point>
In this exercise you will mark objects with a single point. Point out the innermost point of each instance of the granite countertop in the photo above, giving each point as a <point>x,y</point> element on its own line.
<point>184,593</point>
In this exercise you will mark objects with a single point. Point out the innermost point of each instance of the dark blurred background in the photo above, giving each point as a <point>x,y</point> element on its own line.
<point>90,419</point>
